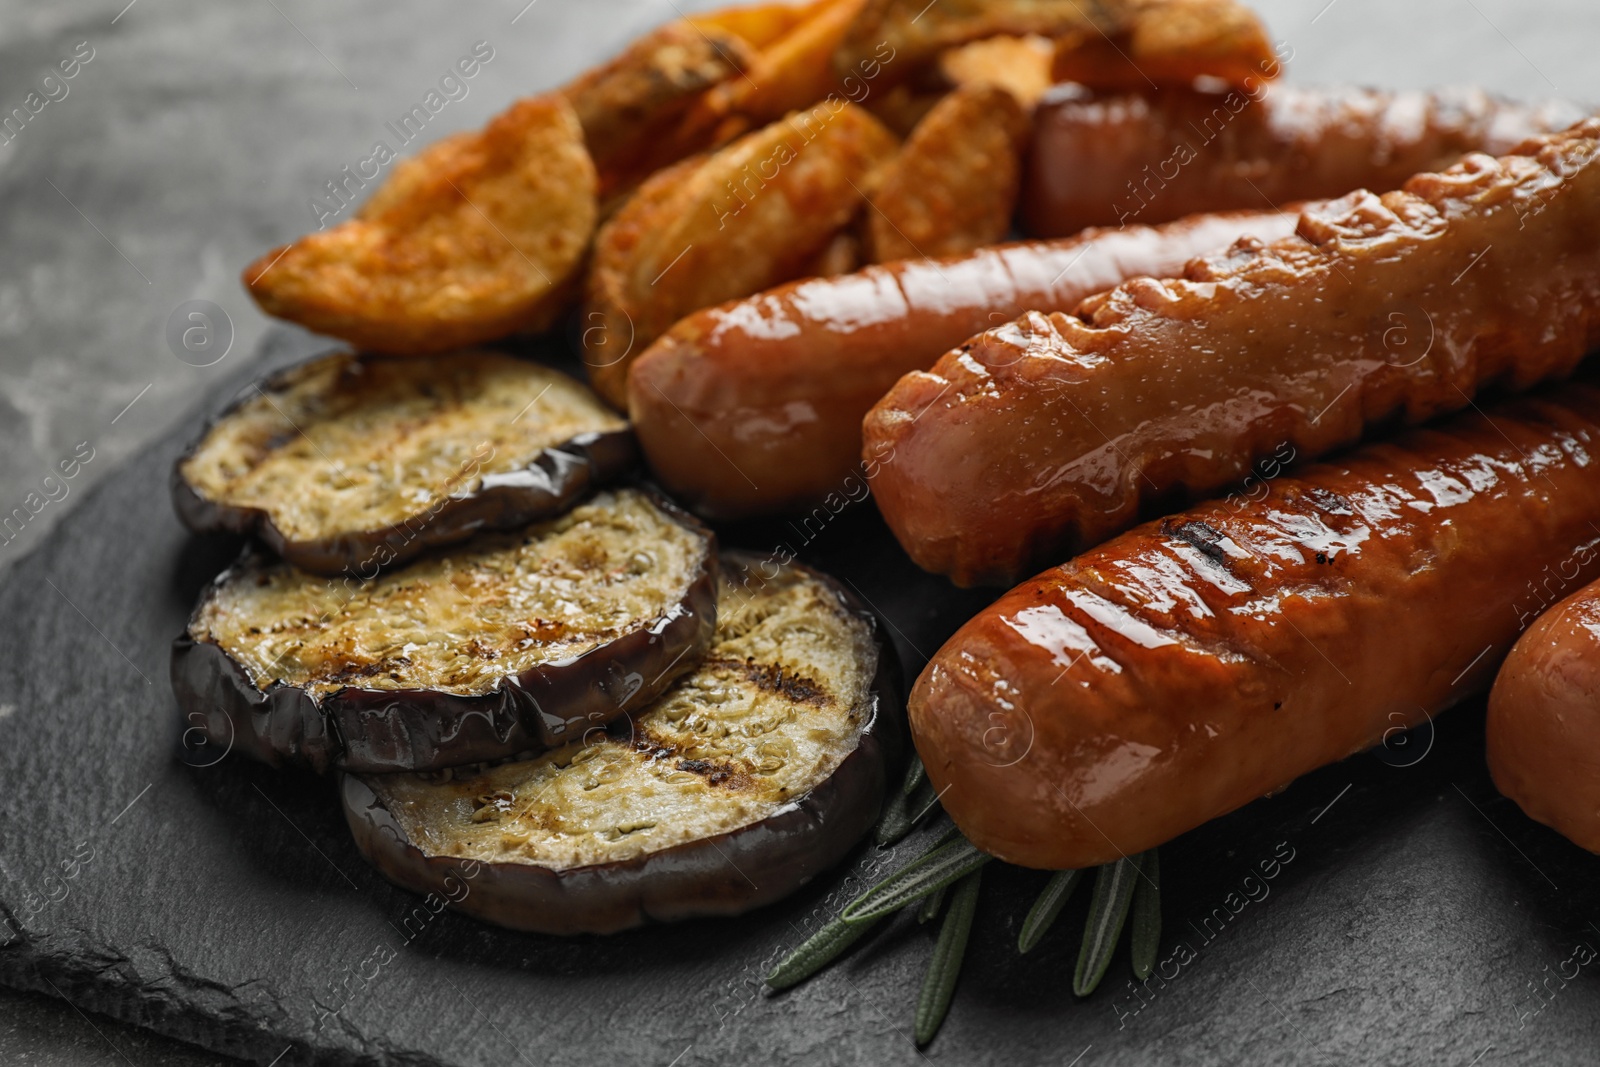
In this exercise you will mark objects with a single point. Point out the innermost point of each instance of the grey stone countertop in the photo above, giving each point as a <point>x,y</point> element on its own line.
<point>193,135</point>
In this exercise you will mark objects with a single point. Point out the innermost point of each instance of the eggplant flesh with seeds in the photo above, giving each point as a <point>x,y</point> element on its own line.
<point>345,464</point>
<point>513,643</point>
<point>752,774</point>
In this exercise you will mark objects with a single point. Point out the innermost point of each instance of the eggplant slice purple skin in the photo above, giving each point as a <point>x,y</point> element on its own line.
<point>395,730</point>
<point>722,875</point>
<point>551,483</point>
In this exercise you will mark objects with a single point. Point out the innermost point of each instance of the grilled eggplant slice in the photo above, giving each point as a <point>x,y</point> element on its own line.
<point>752,774</point>
<point>515,642</point>
<point>345,463</point>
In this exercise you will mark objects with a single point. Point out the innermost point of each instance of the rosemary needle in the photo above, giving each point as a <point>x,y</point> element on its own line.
<point>922,876</point>
<point>830,942</point>
<point>931,905</point>
<point>940,984</point>
<point>1044,911</point>
<point>919,811</point>
<point>895,822</point>
<point>1146,936</point>
<point>915,775</point>
<point>819,950</point>
<point>1113,891</point>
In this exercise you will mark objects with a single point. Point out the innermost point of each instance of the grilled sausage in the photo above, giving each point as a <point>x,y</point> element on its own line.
<point>755,406</point>
<point>1159,156</point>
<point>1047,434</point>
<point>1544,710</point>
<point>1203,660</point>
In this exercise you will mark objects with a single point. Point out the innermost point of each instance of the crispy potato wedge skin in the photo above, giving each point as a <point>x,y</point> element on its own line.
<point>793,71</point>
<point>953,187</point>
<point>632,108</point>
<point>790,70</point>
<point>477,240</point>
<point>914,33</point>
<point>751,216</point>
<point>901,107</point>
<point>1171,43</point>
<point>760,25</point>
<point>841,256</point>
<point>1020,65</point>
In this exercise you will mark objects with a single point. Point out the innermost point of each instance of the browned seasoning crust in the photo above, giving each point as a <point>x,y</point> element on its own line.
<point>1047,434</point>
<point>952,188</point>
<point>751,215</point>
<point>478,236</point>
<point>1179,38</point>
<point>1193,664</point>
<point>632,107</point>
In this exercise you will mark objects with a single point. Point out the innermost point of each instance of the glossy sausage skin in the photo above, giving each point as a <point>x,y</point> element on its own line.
<point>1048,434</point>
<point>1544,710</point>
<point>1200,661</point>
<point>1163,155</point>
<point>755,407</point>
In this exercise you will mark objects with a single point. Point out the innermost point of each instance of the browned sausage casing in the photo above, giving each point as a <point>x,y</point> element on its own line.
<point>1544,710</point>
<point>1196,663</point>
<point>755,407</point>
<point>1160,156</point>
<point>1047,434</point>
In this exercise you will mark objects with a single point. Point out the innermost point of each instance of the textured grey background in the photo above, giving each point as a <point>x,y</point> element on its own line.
<point>196,135</point>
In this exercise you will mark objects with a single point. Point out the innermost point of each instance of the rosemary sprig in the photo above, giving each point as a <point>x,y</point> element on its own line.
<point>950,870</point>
<point>1113,893</point>
<point>933,871</point>
<point>819,950</point>
<point>928,803</point>
<point>902,813</point>
<point>940,983</point>
<point>830,942</point>
<point>916,774</point>
<point>1044,911</point>
<point>1146,936</point>
<point>895,822</point>
<point>904,810</point>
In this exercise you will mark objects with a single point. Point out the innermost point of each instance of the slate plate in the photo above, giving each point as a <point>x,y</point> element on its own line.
<point>1418,916</point>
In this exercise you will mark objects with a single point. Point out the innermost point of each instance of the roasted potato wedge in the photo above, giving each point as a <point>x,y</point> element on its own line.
<point>793,71</point>
<point>1170,43</point>
<point>841,256</point>
<point>759,25</point>
<point>790,71</point>
<point>752,215</point>
<point>632,108</point>
<point>1019,65</point>
<point>953,187</point>
<point>477,240</point>
<point>901,107</point>
<point>906,36</point>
